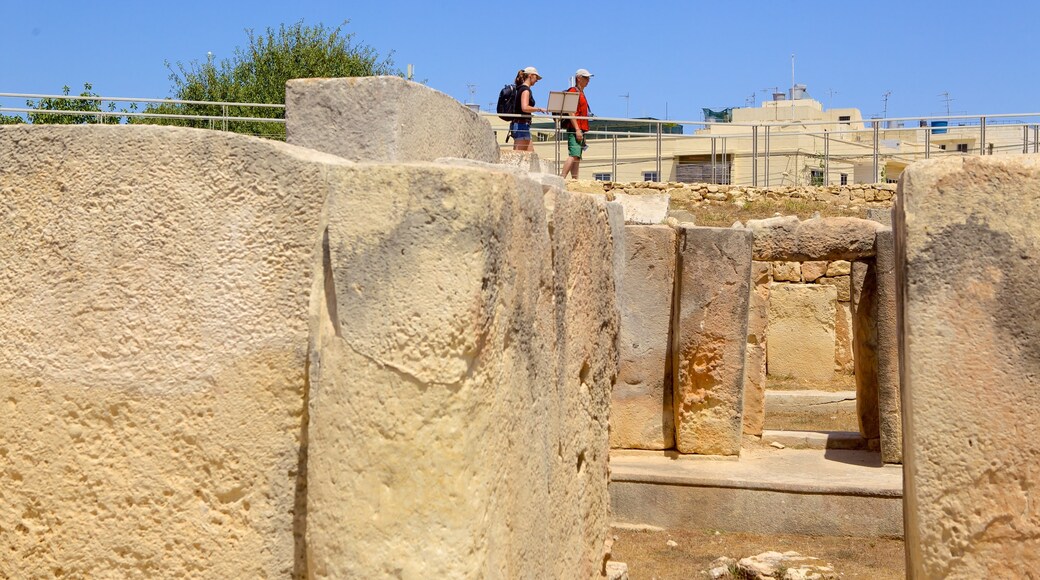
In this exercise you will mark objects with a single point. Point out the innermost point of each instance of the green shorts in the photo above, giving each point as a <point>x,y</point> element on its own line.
<point>575,147</point>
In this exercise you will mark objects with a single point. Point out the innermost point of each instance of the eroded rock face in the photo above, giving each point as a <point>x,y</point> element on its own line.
<point>154,297</point>
<point>383,119</point>
<point>801,331</point>
<point>641,410</point>
<point>755,359</point>
<point>710,339</point>
<point>443,338</point>
<point>968,250</point>
<point>833,238</point>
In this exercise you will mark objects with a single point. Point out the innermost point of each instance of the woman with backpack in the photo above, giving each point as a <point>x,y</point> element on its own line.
<point>520,128</point>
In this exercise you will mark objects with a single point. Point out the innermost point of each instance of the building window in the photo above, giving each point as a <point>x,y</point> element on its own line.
<point>845,119</point>
<point>601,176</point>
<point>815,177</point>
<point>942,147</point>
<point>649,176</point>
<point>962,148</point>
<point>844,178</point>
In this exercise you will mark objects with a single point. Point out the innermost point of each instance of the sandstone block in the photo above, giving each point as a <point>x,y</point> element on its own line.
<point>711,338</point>
<point>812,270</point>
<point>882,215</point>
<point>527,161</point>
<point>833,238</point>
<point>968,247</point>
<point>889,403</point>
<point>456,384</point>
<point>864,345</point>
<point>839,268</point>
<point>787,272</point>
<point>801,331</point>
<point>844,357</point>
<point>842,283</point>
<point>155,279</point>
<point>644,209</point>
<point>641,404</point>
<point>755,359</point>
<point>383,119</point>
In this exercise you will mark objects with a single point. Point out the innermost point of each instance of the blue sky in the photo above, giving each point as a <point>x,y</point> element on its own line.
<point>671,58</point>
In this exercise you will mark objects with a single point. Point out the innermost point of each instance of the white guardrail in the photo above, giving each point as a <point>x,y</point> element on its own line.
<point>768,153</point>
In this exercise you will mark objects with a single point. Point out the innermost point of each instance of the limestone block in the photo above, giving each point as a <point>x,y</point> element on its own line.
<point>844,357</point>
<point>644,209</point>
<point>842,283</point>
<point>882,215</point>
<point>154,296</point>
<point>641,404</point>
<point>832,238</point>
<point>801,331</point>
<point>459,393</point>
<point>527,161</point>
<point>383,119</point>
<point>889,403</point>
<point>812,270</point>
<point>839,268</point>
<point>787,272</point>
<point>864,345</point>
<point>682,216</point>
<point>969,247</point>
<point>755,358</point>
<point>710,339</point>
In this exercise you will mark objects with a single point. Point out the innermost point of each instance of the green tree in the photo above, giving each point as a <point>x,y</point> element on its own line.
<point>86,110</point>
<point>10,119</point>
<point>258,72</point>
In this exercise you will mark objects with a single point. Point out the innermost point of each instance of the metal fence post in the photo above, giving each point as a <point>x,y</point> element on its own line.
<point>613,162</point>
<point>659,128</point>
<point>982,135</point>
<point>1025,139</point>
<point>714,170</point>
<point>754,156</point>
<point>765,161</point>
<point>927,142</point>
<point>826,157</point>
<point>877,156</point>
<point>1036,138</point>
<point>725,161</point>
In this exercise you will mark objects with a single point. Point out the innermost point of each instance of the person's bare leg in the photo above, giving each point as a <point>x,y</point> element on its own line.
<point>521,144</point>
<point>567,167</point>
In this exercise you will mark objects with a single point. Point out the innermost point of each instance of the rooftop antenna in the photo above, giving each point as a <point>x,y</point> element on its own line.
<point>830,96</point>
<point>627,98</point>
<point>946,97</point>
<point>884,99</point>
<point>472,91</point>
<point>749,101</point>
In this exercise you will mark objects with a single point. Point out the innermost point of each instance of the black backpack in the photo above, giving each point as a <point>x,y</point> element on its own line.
<point>507,102</point>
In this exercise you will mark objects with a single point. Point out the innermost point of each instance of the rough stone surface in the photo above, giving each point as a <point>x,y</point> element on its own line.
<point>833,238</point>
<point>711,339</point>
<point>844,357</point>
<point>882,215</point>
<point>641,404</point>
<point>384,119</point>
<point>801,331</point>
<point>787,272</point>
<point>890,414</point>
<point>841,283</point>
<point>527,161</point>
<point>839,268</point>
<point>154,296</point>
<point>813,269</point>
<point>969,247</point>
<point>644,209</point>
<point>682,216</point>
<point>456,382</point>
<point>864,346</point>
<point>755,358</point>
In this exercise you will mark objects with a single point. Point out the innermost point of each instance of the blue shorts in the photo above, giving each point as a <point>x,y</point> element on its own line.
<point>520,131</point>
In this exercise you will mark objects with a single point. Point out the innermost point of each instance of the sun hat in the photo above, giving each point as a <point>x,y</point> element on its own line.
<point>583,73</point>
<point>532,71</point>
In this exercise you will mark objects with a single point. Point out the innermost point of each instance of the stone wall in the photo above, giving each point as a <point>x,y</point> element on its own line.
<point>879,195</point>
<point>232,357</point>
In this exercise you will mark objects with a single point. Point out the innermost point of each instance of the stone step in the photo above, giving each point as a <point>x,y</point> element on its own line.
<point>811,410</point>
<point>767,491</point>
<point>817,439</point>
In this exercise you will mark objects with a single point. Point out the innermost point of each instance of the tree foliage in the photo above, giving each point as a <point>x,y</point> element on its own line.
<point>86,110</point>
<point>258,72</point>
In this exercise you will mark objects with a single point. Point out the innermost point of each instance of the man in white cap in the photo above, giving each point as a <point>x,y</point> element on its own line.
<point>577,127</point>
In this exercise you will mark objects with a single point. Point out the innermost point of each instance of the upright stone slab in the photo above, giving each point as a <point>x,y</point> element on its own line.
<point>801,331</point>
<point>154,304</point>
<point>383,119</point>
<point>460,378</point>
<point>755,359</point>
<point>865,346</point>
<point>711,339</point>
<point>968,253</point>
<point>641,414</point>
<point>644,209</point>
<point>890,416</point>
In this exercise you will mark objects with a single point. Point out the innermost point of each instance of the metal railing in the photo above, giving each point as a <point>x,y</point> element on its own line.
<point>781,152</point>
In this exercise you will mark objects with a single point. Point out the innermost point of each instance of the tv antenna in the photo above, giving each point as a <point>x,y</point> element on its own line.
<point>749,101</point>
<point>946,97</point>
<point>627,98</point>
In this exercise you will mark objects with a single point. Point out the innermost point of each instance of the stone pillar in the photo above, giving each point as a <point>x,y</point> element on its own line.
<point>711,339</point>
<point>968,253</point>
<point>864,346</point>
<point>755,359</point>
<point>888,391</point>
<point>641,414</point>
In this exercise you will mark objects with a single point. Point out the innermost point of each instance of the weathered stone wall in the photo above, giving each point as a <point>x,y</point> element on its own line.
<point>879,195</point>
<point>968,250</point>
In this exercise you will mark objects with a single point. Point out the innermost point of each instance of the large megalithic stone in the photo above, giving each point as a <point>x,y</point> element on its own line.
<point>464,348</point>
<point>383,119</point>
<point>641,414</point>
<point>711,321</point>
<point>890,415</point>
<point>968,253</point>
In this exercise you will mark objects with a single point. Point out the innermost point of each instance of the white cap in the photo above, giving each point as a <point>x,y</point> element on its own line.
<point>532,71</point>
<point>582,73</point>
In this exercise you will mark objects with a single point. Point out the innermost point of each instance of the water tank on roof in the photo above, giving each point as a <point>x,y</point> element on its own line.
<point>798,92</point>
<point>779,97</point>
